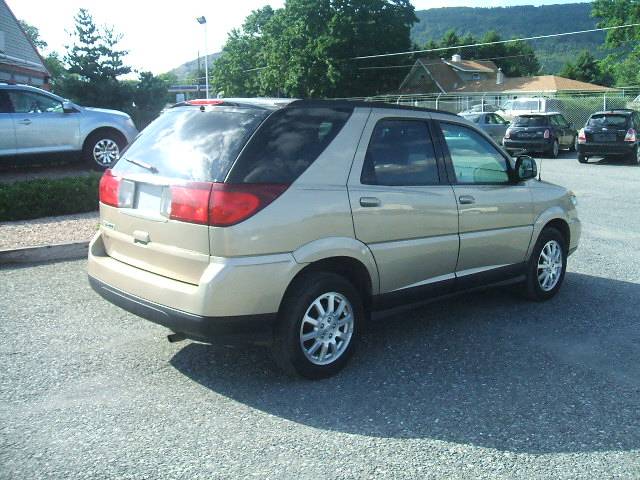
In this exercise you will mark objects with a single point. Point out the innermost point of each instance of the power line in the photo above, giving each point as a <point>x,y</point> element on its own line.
<point>437,63</point>
<point>537,37</point>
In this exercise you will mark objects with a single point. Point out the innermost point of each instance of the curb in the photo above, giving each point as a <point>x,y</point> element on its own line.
<point>45,253</point>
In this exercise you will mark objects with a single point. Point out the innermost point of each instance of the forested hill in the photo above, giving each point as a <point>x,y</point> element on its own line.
<point>520,21</point>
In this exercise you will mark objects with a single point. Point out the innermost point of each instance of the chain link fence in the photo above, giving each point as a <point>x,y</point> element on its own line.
<point>576,106</point>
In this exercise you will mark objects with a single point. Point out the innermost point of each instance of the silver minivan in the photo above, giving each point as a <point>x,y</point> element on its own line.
<point>288,223</point>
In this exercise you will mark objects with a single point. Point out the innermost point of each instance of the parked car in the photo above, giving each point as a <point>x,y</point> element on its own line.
<point>34,121</point>
<point>493,124</point>
<point>523,105</point>
<point>482,108</point>
<point>614,133</point>
<point>544,133</point>
<point>288,225</point>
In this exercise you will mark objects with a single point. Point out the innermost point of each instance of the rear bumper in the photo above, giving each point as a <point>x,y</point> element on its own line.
<point>529,145</point>
<point>235,297</point>
<point>603,149</point>
<point>258,328</point>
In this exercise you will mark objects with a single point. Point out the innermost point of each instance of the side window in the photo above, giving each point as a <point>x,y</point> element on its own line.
<point>499,119</point>
<point>553,120</point>
<point>474,159</point>
<point>562,121</point>
<point>287,143</point>
<point>27,102</point>
<point>5,102</point>
<point>400,152</point>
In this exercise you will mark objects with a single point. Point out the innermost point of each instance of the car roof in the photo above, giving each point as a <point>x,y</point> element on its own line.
<point>542,114</point>
<point>615,111</point>
<point>277,103</point>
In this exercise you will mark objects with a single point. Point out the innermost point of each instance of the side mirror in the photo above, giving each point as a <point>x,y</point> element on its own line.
<point>67,107</point>
<point>526,168</point>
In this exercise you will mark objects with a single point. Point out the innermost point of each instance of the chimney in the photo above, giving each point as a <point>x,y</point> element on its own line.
<point>499,77</point>
<point>456,57</point>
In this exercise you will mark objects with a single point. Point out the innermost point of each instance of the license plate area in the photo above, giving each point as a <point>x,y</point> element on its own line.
<point>149,198</point>
<point>604,137</point>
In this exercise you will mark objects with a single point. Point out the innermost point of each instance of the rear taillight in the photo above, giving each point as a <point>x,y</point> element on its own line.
<point>547,133</point>
<point>115,191</point>
<point>219,204</point>
<point>582,137</point>
<point>233,203</point>
<point>190,202</point>
<point>630,136</point>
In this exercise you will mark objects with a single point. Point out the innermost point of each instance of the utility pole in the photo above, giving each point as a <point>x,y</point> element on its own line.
<point>203,21</point>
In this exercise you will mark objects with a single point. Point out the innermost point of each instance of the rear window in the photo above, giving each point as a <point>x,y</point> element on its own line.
<point>288,142</point>
<point>525,105</point>
<point>531,121</point>
<point>192,144</point>
<point>616,121</point>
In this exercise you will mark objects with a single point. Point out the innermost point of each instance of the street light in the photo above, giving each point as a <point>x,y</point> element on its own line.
<point>203,21</point>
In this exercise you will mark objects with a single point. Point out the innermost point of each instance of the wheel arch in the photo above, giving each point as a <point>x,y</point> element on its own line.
<point>103,129</point>
<point>553,217</point>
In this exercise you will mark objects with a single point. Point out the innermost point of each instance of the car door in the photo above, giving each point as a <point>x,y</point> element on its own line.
<point>7,130</point>
<point>495,214</point>
<point>567,131</point>
<point>402,208</point>
<point>501,126</point>
<point>41,125</point>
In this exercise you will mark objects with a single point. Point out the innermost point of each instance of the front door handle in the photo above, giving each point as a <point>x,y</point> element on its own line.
<point>466,199</point>
<point>369,202</point>
<point>26,121</point>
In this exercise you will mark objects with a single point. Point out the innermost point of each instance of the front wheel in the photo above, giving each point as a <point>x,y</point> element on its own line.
<point>554,151</point>
<point>634,156</point>
<point>102,149</point>
<point>318,325</point>
<point>547,265</point>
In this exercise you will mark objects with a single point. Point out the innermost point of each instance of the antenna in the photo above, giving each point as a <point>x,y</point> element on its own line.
<point>540,171</point>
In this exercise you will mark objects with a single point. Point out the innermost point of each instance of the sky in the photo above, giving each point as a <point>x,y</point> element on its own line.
<point>161,37</point>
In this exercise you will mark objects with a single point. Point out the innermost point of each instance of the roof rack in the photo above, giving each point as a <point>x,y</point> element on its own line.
<point>366,104</point>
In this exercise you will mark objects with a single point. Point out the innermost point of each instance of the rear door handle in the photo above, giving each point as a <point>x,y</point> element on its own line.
<point>466,199</point>
<point>369,202</point>
<point>26,121</point>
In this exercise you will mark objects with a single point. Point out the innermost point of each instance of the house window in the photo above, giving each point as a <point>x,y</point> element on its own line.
<point>476,76</point>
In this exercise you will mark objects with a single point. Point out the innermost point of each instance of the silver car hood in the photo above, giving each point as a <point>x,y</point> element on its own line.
<point>104,110</point>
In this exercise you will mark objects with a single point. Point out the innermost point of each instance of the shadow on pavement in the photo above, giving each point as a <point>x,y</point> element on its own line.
<point>485,369</point>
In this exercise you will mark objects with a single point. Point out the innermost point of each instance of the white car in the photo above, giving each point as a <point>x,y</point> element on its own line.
<point>526,105</point>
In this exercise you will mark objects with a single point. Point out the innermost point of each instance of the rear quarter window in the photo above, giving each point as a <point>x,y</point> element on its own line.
<point>287,143</point>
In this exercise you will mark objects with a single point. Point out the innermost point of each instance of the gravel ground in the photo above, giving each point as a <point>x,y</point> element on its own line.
<point>48,230</point>
<point>481,386</point>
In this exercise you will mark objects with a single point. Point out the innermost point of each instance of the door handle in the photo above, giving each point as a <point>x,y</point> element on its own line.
<point>369,202</point>
<point>26,121</point>
<point>466,199</point>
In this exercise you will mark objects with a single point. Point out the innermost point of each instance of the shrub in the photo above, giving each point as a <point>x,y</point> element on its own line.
<point>29,199</point>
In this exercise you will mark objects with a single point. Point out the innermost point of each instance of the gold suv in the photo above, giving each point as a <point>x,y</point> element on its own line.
<point>288,222</point>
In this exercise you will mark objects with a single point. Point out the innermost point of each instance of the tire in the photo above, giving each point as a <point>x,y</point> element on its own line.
<point>582,158</point>
<point>634,156</point>
<point>554,151</point>
<point>574,145</point>
<point>298,357</point>
<point>102,144</point>
<point>537,286</point>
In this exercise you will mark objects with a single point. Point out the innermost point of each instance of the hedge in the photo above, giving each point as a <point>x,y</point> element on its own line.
<point>38,198</point>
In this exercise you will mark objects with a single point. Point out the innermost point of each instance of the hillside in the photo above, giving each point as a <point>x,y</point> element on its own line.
<point>515,22</point>
<point>187,69</point>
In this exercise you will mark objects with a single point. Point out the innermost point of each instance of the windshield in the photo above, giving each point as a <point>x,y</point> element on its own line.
<point>617,121</point>
<point>191,144</point>
<point>530,121</point>
<point>525,105</point>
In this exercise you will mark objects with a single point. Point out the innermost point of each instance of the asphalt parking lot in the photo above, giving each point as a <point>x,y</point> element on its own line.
<point>482,386</point>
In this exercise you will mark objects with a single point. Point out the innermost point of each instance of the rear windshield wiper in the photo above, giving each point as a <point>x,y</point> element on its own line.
<point>142,164</point>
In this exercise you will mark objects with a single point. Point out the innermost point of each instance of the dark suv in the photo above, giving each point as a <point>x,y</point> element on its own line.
<point>611,133</point>
<point>540,132</point>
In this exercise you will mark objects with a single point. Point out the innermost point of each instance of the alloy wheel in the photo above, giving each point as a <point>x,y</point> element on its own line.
<point>550,265</point>
<point>106,152</point>
<point>326,328</point>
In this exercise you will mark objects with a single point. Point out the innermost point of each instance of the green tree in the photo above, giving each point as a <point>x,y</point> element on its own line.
<point>34,34</point>
<point>306,49</point>
<point>586,69</point>
<point>624,61</point>
<point>149,97</point>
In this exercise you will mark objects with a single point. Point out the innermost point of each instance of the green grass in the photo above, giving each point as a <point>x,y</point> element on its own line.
<point>38,198</point>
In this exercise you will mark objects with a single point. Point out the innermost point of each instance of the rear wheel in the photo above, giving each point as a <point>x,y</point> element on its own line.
<point>574,145</point>
<point>634,156</point>
<point>547,265</point>
<point>102,149</point>
<point>554,151</point>
<point>318,325</point>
